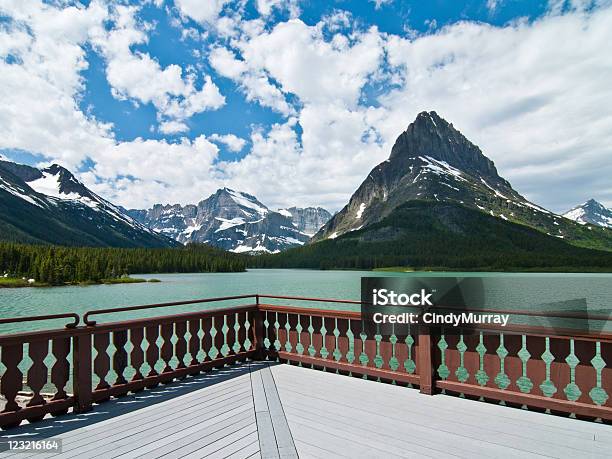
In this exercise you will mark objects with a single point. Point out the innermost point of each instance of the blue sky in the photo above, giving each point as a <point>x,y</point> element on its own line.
<point>164,101</point>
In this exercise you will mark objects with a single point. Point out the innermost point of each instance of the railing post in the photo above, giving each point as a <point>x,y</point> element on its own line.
<point>426,361</point>
<point>81,357</point>
<point>260,353</point>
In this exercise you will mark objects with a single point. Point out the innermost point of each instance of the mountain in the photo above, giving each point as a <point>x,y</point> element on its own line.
<point>433,161</point>
<point>233,221</point>
<point>308,219</point>
<point>51,206</point>
<point>591,212</point>
<point>425,235</point>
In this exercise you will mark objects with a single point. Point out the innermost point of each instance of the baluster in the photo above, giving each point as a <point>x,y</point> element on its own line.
<point>443,370</point>
<point>378,358</point>
<point>409,363</point>
<point>120,357</point>
<point>350,353</point>
<point>12,379</point>
<point>60,372</point>
<point>461,373</point>
<point>393,360</point>
<point>207,338</point>
<point>37,374</point>
<point>167,348</point>
<point>292,332</point>
<point>572,391</point>
<point>481,375</point>
<point>547,387</point>
<point>502,379</point>
<point>242,332</point>
<point>270,337</point>
<point>152,333</point>
<point>283,333</point>
<point>323,352</point>
<point>250,330</point>
<point>524,383</point>
<point>598,394</point>
<point>230,334</point>
<point>277,343</point>
<point>299,347</point>
<point>218,337</point>
<point>194,341</point>
<point>180,348</point>
<point>137,354</point>
<point>102,361</point>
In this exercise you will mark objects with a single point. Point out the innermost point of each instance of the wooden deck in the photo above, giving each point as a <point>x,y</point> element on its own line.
<point>278,411</point>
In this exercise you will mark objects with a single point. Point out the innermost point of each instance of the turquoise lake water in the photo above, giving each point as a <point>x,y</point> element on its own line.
<point>323,284</point>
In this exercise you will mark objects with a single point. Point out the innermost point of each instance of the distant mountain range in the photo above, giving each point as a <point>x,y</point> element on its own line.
<point>234,221</point>
<point>51,206</point>
<point>591,213</point>
<point>432,161</point>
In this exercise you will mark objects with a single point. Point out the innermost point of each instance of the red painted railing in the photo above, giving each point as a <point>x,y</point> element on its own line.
<point>563,371</point>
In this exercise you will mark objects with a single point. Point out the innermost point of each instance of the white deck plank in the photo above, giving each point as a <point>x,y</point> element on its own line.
<point>393,404</point>
<point>542,424</point>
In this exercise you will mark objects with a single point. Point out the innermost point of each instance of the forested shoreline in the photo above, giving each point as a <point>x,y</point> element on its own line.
<point>58,265</point>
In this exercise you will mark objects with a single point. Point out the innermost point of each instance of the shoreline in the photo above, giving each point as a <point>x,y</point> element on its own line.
<point>23,283</point>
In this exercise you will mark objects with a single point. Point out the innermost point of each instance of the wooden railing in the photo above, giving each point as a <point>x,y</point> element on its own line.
<point>563,371</point>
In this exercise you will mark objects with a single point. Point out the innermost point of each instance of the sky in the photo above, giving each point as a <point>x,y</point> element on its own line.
<point>295,101</point>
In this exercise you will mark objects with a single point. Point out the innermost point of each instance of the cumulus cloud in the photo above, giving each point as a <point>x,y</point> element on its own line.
<point>232,142</point>
<point>206,12</point>
<point>139,77</point>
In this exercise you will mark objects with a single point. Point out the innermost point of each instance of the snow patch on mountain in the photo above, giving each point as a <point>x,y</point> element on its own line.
<point>591,212</point>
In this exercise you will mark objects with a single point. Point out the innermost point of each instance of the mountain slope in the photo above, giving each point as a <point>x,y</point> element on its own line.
<point>231,220</point>
<point>438,235</point>
<point>433,161</point>
<point>591,212</point>
<point>308,219</point>
<point>52,206</point>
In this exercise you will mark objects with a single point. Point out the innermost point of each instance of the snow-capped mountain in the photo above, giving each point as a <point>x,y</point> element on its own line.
<point>307,219</point>
<point>591,212</point>
<point>433,161</point>
<point>228,219</point>
<point>51,205</point>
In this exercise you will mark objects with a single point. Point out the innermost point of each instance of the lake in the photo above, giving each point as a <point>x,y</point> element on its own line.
<point>323,284</point>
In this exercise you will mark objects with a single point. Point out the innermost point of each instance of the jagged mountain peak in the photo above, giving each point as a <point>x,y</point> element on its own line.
<point>234,220</point>
<point>432,136</point>
<point>433,161</point>
<point>591,212</point>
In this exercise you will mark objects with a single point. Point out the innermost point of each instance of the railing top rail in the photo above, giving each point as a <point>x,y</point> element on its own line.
<point>303,298</point>
<point>66,315</point>
<point>88,314</point>
<point>157,320</point>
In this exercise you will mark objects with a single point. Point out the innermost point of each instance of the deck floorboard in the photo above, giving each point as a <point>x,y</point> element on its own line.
<point>267,410</point>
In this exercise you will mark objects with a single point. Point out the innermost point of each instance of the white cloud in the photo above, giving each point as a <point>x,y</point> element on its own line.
<point>206,12</point>
<point>378,4</point>
<point>173,127</point>
<point>232,142</point>
<point>40,87</point>
<point>304,64</point>
<point>492,4</point>
<point>265,7</point>
<point>139,77</point>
